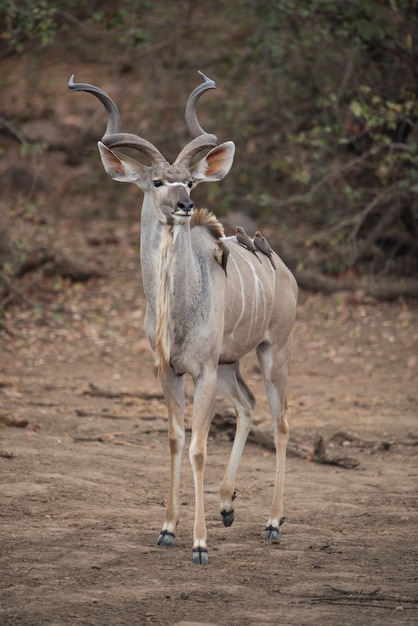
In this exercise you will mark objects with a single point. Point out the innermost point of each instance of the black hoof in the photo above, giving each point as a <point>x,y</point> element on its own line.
<point>165,539</point>
<point>228,517</point>
<point>273,533</point>
<point>200,556</point>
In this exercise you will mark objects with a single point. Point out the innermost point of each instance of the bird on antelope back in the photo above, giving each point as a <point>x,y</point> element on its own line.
<point>261,243</point>
<point>245,241</point>
<point>221,255</point>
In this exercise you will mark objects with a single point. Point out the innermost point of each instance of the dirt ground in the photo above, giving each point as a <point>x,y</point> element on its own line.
<point>84,457</point>
<point>85,476</point>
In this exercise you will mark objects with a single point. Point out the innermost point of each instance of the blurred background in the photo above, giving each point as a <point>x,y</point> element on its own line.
<point>320,98</point>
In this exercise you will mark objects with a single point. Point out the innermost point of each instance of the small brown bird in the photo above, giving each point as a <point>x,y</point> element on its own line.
<point>263,245</point>
<point>245,241</point>
<point>221,254</point>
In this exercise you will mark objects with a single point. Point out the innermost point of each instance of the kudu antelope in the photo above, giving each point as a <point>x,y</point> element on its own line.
<point>200,319</point>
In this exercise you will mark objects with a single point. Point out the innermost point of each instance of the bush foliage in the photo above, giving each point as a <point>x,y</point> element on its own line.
<point>320,97</point>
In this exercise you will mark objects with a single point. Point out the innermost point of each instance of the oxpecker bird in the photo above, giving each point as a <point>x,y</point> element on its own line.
<point>263,245</point>
<point>221,255</point>
<point>245,241</point>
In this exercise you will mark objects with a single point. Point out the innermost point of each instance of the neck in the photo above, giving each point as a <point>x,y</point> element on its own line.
<point>171,279</point>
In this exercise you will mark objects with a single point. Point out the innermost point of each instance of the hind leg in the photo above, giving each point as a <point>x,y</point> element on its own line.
<point>234,388</point>
<point>274,365</point>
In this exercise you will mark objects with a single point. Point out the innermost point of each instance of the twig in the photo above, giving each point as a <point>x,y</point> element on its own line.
<point>345,79</point>
<point>21,137</point>
<point>370,604</point>
<point>362,216</point>
<point>317,282</point>
<point>148,50</point>
<point>383,223</point>
<point>299,198</point>
<point>5,454</point>
<point>112,416</point>
<point>15,292</point>
<point>353,593</point>
<point>15,131</point>
<point>99,390</point>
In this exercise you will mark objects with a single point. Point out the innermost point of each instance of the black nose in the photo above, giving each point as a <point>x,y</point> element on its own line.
<point>185,205</point>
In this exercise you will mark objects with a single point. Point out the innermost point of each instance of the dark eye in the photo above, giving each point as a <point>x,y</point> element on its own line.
<point>190,184</point>
<point>157,183</point>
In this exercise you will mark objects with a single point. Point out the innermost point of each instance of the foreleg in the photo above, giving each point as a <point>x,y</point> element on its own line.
<point>204,401</point>
<point>173,388</point>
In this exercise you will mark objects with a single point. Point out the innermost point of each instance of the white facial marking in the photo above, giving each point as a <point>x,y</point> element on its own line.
<point>177,184</point>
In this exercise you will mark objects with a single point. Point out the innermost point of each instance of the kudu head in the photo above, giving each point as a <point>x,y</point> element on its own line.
<point>167,186</point>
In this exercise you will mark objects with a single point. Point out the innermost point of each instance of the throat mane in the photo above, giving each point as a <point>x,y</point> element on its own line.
<point>164,318</point>
<point>164,330</point>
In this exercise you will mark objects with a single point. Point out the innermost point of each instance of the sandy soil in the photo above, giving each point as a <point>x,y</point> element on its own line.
<point>85,476</point>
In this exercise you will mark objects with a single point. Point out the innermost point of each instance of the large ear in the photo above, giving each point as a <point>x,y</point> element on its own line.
<point>122,168</point>
<point>216,164</point>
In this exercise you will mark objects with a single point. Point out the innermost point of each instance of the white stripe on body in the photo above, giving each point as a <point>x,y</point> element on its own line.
<point>177,184</point>
<point>258,295</point>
